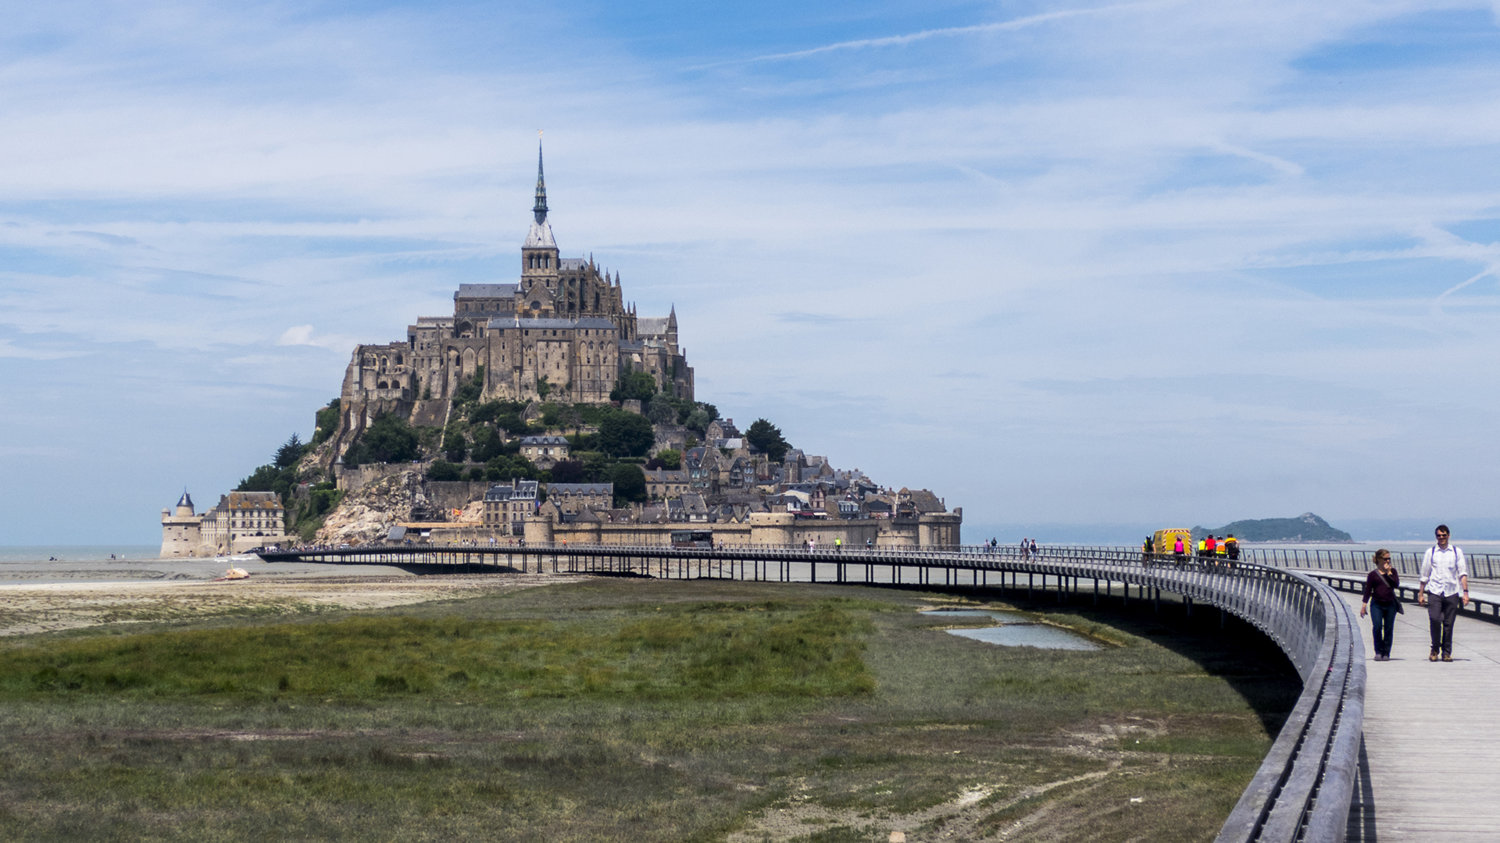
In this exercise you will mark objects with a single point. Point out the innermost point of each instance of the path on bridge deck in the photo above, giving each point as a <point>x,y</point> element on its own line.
<point>1432,735</point>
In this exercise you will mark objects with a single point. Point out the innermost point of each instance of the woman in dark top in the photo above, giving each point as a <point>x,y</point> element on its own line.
<point>1382,600</point>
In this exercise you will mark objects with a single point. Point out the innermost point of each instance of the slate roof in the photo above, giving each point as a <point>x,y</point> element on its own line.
<point>544,440</point>
<point>486,291</point>
<point>580,488</point>
<point>540,236</point>
<point>521,490</point>
<point>501,323</point>
<point>651,325</point>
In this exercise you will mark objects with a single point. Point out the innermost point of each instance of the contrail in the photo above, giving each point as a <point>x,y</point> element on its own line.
<point>1437,303</point>
<point>946,32</point>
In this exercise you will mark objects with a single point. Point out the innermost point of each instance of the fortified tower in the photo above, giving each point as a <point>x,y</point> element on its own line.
<point>181,529</point>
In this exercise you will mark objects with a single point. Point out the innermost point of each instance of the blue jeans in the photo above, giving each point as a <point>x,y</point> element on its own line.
<point>1383,622</point>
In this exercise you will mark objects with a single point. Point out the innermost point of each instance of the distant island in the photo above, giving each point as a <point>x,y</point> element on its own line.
<point>1306,527</point>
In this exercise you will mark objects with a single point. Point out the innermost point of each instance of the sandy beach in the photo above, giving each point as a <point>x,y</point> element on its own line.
<point>27,608</point>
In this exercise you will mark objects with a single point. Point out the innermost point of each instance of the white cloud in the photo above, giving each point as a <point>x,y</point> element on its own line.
<point>303,335</point>
<point>10,349</point>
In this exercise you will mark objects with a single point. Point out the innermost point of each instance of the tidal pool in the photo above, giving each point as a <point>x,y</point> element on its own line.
<point>1014,629</point>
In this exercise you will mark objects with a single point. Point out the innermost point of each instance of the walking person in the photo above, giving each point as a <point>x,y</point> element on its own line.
<point>1382,598</point>
<point>1445,574</point>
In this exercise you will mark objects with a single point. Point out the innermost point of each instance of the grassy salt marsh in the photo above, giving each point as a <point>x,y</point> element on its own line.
<point>634,710</point>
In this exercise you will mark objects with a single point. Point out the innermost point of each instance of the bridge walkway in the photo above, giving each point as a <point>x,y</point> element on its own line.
<point>1430,766</point>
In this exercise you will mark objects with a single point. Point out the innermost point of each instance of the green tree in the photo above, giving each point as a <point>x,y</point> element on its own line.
<point>637,385</point>
<point>630,483</point>
<point>444,470</point>
<point>567,471</point>
<point>697,421</point>
<point>322,498</point>
<point>455,445</point>
<point>388,439</point>
<point>623,434</point>
<point>291,451</point>
<point>595,466</point>
<point>766,438</point>
<point>506,467</point>
<point>487,444</point>
<point>267,478</point>
<point>469,391</point>
<point>327,421</point>
<point>663,410</point>
<point>667,458</point>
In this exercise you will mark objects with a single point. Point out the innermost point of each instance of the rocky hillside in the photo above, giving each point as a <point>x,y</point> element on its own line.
<point>1306,527</point>
<point>367,514</point>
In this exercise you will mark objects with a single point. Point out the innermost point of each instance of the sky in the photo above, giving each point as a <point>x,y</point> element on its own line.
<point>1119,263</point>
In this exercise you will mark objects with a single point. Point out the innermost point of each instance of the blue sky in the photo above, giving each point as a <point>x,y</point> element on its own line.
<point>1132,263</point>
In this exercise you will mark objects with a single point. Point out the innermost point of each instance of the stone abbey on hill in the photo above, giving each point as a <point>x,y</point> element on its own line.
<point>562,332</point>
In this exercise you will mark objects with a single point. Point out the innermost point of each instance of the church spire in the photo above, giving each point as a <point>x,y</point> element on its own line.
<point>540,209</point>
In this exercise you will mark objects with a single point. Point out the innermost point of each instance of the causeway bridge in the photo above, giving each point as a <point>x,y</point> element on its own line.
<point>1403,757</point>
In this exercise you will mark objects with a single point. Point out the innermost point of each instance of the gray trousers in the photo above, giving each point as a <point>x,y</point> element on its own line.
<point>1440,614</point>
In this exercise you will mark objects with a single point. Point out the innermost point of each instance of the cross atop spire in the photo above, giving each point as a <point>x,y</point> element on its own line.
<point>540,209</point>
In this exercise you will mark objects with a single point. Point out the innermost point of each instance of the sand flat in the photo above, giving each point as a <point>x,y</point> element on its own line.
<point>28,608</point>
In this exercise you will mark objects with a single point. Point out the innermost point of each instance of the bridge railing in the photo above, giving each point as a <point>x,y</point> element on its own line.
<point>1302,789</point>
<point>1482,566</point>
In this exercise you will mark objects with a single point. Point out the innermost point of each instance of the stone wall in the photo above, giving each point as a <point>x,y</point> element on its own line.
<point>448,495</point>
<point>351,480</point>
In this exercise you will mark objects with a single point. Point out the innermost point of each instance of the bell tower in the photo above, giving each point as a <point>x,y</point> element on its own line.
<point>539,260</point>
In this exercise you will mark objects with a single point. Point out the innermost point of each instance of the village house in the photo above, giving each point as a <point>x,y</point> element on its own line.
<point>662,483</point>
<point>240,521</point>
<point>544,451</point>
<point>575,497</point>
<point>506,505</point>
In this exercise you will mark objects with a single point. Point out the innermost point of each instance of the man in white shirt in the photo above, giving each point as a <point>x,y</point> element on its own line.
<point>1445,575</point>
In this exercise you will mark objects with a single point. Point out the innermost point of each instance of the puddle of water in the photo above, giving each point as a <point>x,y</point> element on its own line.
<point>1000,615</point>
<point>1014,629</point>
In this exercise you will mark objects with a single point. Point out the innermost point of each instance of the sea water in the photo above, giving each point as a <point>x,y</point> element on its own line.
<point>1013,629</point>
<point>46,564</point>
<point>98,563</point>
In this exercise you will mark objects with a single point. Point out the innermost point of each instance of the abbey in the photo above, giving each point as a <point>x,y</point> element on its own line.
<point>563,332</point>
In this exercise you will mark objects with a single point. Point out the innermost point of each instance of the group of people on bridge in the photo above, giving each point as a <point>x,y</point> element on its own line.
<point>1212,550</point>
